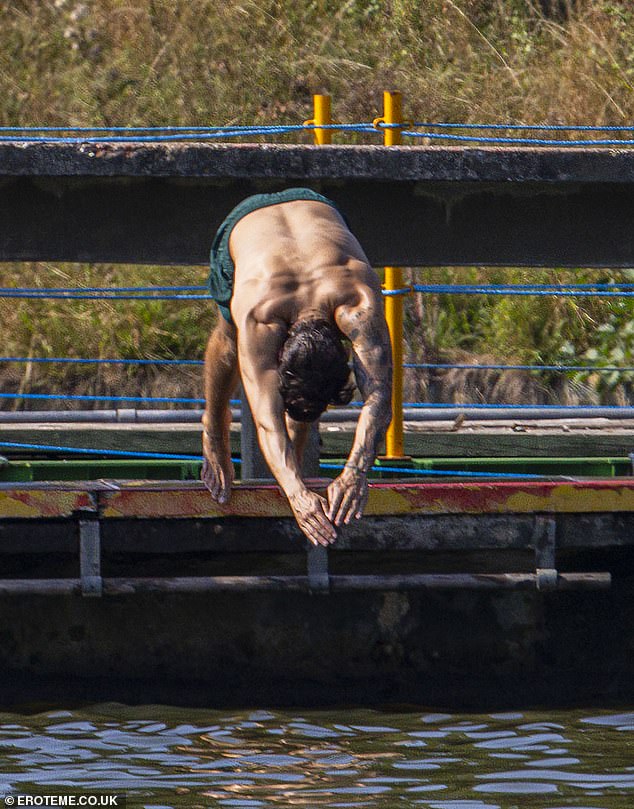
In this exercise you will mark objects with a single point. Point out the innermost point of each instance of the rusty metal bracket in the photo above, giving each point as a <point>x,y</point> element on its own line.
<point>544,538</point>
<point>317,569</point>
<point>90,558</point>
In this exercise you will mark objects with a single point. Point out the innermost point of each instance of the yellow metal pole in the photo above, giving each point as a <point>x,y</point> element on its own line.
<point>322,113</point>
<point>392,114</point>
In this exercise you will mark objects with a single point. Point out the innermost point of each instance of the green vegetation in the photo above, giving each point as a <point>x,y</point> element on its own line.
<point>199,62</point>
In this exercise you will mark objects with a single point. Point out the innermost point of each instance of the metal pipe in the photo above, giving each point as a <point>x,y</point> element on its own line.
<point>341,414</point>
<point>467,581</point>
<point>321,106</point>
<point>338,583</point>
<point>392,114</point>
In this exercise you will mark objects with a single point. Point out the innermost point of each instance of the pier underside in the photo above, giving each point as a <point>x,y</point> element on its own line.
<point>445,593</point>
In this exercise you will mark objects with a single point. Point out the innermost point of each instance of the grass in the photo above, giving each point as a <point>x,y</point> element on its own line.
<point>200,62</point>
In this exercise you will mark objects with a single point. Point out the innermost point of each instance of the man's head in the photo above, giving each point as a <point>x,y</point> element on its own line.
<point>313,370</point>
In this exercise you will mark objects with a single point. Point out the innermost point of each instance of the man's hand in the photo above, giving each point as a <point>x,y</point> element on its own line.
<point>217,470</point>
<point>310,512</point>
<point>347,496</point>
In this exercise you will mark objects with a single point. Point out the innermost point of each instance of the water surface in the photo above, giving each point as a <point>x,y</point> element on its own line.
<point>162,756</point>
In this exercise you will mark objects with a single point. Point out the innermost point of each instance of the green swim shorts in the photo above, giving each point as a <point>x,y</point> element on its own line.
<point>221,263</point>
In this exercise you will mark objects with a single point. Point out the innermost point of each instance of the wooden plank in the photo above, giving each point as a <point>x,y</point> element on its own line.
<point>436,441</point>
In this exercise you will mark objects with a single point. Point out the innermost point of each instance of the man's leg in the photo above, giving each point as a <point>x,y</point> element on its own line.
<point>221,379</point>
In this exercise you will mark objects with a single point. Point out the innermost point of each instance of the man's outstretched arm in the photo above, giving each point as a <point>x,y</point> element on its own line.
<point>372,357</point>
<point>258,348</point>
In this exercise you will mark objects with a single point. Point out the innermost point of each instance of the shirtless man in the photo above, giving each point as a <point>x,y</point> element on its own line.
<point>291,283</point>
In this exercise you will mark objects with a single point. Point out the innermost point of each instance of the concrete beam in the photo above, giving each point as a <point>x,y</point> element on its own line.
<point>173,500</point>
<point>419,206</point>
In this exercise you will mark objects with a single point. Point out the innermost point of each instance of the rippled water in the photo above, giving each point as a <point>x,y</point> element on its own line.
<point>166,757</point>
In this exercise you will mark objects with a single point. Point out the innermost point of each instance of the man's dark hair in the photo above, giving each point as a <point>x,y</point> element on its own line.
<point>313,370</point>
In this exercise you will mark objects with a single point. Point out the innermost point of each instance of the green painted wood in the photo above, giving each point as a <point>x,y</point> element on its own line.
<point>44,470</point>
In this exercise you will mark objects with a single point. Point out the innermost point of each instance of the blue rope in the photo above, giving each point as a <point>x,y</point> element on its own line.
<point>419,125</point>
<point>44,290</point>
<point>178,129</point>
<point>87,398</point>
<point>414,405</point>
<point>612,285</point>
<point>138,293</point>
<point>99,361</point>
<point>520,289</point>
<point>500,406</point>
<point>527,127</point>
<point>427,288</point>
<point>198,459</point>
<point>429,365</point>
<point>26,134</point>
<point>211,133</point>
<point>117,452</point>
<point>91,398</point>
<point>389,293</point>
<point>440,472</point>
<point>466,366</point>
<point>103,297</point>
<point>516,141</point>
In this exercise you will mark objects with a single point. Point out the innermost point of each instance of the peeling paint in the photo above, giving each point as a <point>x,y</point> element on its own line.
<point>168,500</point>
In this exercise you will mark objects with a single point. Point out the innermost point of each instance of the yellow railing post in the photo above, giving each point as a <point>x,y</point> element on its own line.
<point>392,114</point>
<point>322,116</point>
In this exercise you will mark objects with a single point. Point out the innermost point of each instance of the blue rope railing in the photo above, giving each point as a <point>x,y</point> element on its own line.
<point>555,290</point>
<point>599,409</point>
<point>411,365</point>
<point>100,361</point>
<point>88,135</point>
<point>523,127</point>
<point>507,127</point>
<point>614,289</point>
<point>331,466</point>
<point>76,397</point>
<point>139,292</point>
<point>500,367</point>
<point>517,141</point>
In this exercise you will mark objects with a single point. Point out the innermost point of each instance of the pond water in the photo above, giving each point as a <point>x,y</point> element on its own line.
<point>163,756</point>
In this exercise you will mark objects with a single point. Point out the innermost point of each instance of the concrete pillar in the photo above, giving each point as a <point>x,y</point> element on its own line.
<point>254,467</point>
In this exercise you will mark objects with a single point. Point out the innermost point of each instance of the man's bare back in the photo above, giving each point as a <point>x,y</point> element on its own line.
<point>292,258</point>
<point>296,264</point>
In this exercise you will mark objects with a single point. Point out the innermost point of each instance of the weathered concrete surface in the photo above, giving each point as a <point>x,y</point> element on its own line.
<point>452,648</point>
<point>274,161</point>
<point>190,499</point>
<point>447,649</point>
<point>408,205</point>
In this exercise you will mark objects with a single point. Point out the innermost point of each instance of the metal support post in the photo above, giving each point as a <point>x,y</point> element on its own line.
<point>317,568</point>
<point>545,563</point>
<point>254,467</point>
<point>90,558</point>
<point>392,114</point>
<point>321,116</point>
